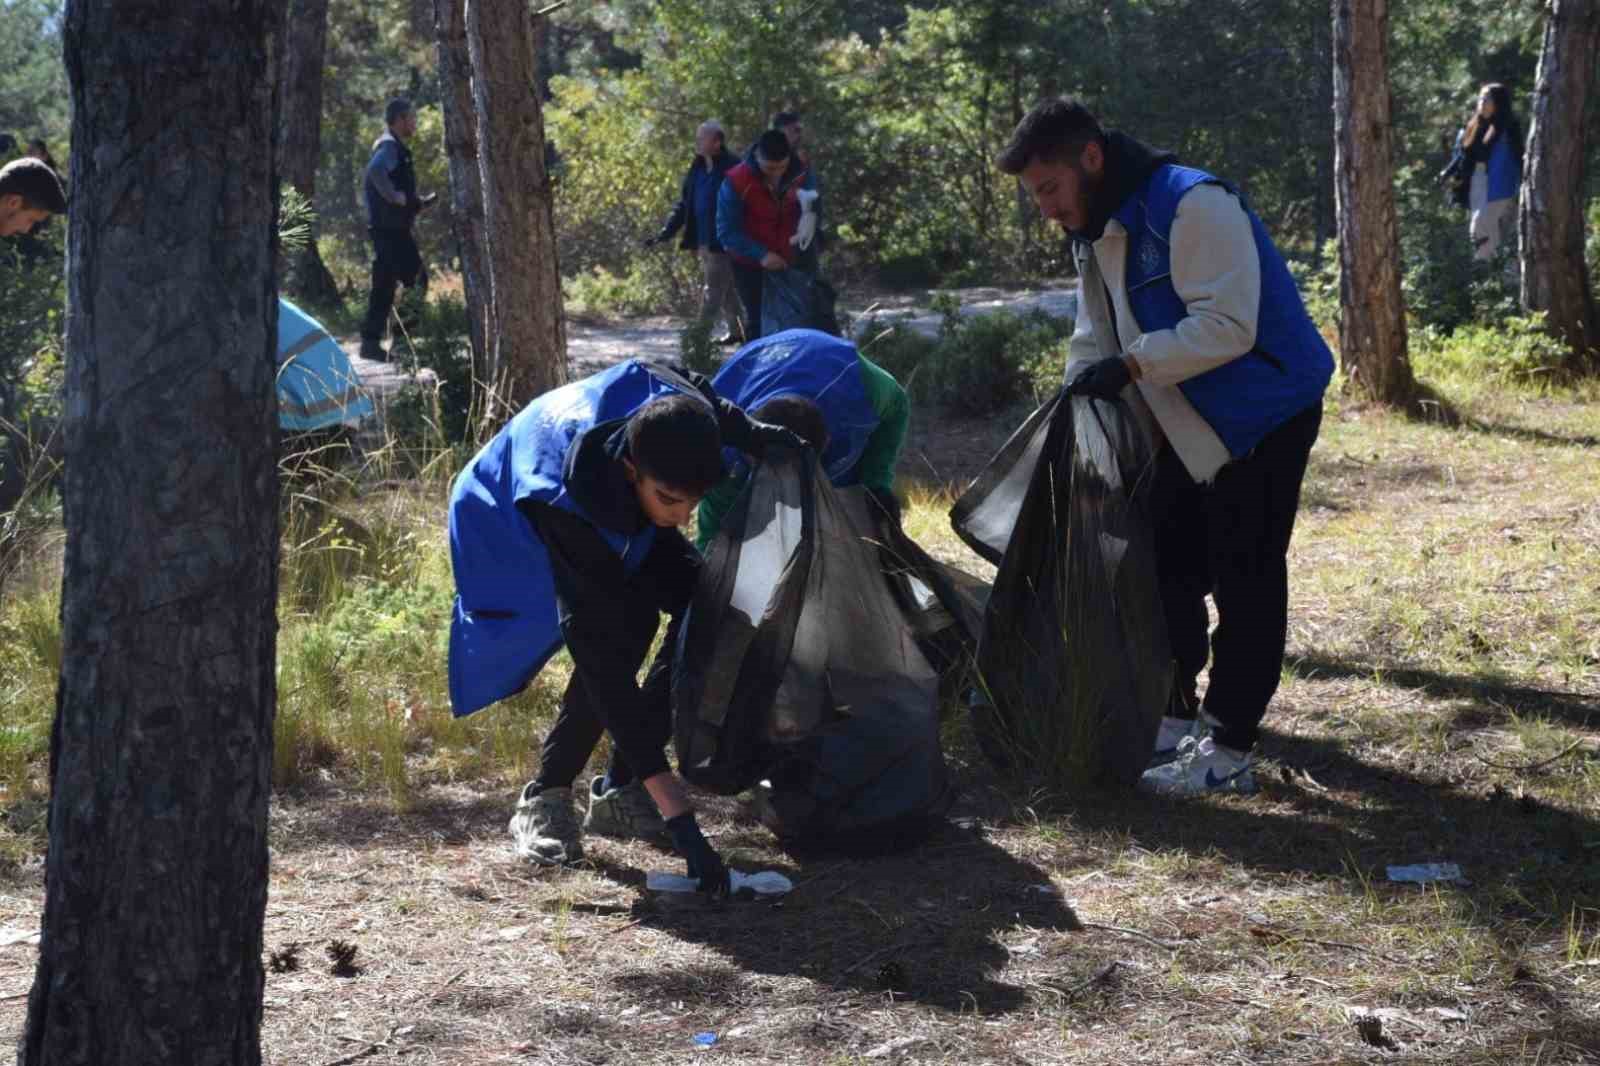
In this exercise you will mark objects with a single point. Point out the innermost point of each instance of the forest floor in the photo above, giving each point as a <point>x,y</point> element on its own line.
<point>1440,703</point>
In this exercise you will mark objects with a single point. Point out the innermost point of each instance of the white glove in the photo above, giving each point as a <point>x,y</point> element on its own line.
<point>807,230</point>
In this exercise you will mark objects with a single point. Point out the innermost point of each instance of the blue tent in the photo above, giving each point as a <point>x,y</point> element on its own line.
<point>317,386</point>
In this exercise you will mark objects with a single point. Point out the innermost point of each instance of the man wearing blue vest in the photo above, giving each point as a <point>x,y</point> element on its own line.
<point>563,530</point>
<point>1188,314</point>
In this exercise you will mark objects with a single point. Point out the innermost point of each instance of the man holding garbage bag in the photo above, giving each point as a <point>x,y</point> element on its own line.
<point>765,218</point>
<point>1187,312</point>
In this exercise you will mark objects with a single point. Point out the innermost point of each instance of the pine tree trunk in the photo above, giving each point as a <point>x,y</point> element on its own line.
<point>527,332</point>
<point>1372,318</point>
<point>1555,279</point>
<point>156,882</point>
<point>300,147</point>
<point>461,151</point>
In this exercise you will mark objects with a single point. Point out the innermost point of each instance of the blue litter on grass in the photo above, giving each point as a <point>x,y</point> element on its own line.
<point>705,1039</point>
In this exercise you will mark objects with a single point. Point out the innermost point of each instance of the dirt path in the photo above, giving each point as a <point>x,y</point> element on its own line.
<point>952,456</point>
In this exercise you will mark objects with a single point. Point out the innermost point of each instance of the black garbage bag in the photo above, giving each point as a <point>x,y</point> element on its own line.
<point>799,665</point>
<point>1074,663</point>
<point>793,299</point>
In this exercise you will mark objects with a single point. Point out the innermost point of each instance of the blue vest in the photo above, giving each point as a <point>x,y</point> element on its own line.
<point>1288,369</point>
<point>1503,173</point>
<point>504,627</point>
<point>815,366</point>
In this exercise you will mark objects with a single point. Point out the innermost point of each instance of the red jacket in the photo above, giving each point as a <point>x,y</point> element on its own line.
<point>766,219</point>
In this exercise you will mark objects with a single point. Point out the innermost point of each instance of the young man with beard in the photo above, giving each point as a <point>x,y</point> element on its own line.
<point>1187,312</point>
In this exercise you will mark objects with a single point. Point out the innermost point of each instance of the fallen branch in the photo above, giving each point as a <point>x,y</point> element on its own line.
<point>1532,766</point>
<point>1098,977</point>
<point>369,1050</point>
<point>1165,945</point>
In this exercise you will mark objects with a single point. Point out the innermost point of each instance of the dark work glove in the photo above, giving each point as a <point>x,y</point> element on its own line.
<point>1104,380</point>
<point>888,501</point>
<point>705,865</point>
<point>738,429</point>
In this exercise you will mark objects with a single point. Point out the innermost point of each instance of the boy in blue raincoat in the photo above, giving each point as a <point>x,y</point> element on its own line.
<point>563,530</point>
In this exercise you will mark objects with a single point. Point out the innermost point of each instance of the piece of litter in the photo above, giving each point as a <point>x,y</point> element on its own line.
<point>765,883</point>
<point>511,932</point>
<point>1449,1014</point>
<point>705,1039</point>
<point>1423,873</point>
<point>13,935</point>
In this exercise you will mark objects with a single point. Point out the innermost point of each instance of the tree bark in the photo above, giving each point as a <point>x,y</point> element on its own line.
<point>1372,319</point>
<point>527,332</point>
<point>461,151</point>
<point>156,881</point>
<point>1550,223</point>
<point>300,146</point>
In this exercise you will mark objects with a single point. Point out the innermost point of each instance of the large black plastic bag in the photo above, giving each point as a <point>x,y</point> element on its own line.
<point>797,664</point>
<point>793,299</point>
<point>1074,663</point>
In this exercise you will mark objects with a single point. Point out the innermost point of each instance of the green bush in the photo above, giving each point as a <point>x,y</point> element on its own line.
<point>648,285</point>
<point>979,364</point>
<point>1518,350</point>
<point>441,415</point>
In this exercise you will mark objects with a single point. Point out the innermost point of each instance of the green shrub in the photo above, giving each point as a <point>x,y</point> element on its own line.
<point>1519,350</point>
<point>649,286</point>
<point>428,417</point>
<point>979,364</point>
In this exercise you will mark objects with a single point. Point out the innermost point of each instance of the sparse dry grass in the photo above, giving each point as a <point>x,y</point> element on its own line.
<point>1446,599</point>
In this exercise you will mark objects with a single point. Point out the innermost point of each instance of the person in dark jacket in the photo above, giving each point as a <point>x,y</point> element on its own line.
<point>563,531</point>
<point>390,187</point>
<point>1189,315</point>
<point>696,215</point>
<point>1491,150</point>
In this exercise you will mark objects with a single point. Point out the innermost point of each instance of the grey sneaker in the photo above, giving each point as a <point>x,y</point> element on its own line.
<point>626,812</point>
<point>1202,766</point>
<point>545,827</point>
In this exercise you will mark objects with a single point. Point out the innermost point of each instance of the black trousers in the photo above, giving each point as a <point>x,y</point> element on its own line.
<point>395,261</point>
<point>1231,539</point>
<point>663,584</point>
<point>747,282</point>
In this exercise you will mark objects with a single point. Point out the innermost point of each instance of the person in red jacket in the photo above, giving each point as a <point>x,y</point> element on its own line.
<point>758,215</point>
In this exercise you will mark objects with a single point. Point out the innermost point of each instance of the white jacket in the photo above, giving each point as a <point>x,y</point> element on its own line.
<point>1216,271</point>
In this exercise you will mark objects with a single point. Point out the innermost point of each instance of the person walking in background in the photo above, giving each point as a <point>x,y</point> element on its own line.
<point>696,215</point>
<point>758,215</point>
<point>1491,145</point>
<point>392,206</point>
<point>809,236</point>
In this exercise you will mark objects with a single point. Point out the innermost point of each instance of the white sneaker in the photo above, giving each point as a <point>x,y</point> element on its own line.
<point>1201,767</point>
<point>1172,733</point>
<point>545,827</point>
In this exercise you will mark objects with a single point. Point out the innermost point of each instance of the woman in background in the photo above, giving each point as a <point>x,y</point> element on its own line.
<point>1492,146</point>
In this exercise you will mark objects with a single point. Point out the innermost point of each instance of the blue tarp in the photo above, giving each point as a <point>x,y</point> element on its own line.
<point>317,386</point>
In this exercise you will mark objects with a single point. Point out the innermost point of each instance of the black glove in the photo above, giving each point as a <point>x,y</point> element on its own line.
<point>704,864</point>
<point>738,429</point>
<point>888,501</point>
<point>1104,380</point>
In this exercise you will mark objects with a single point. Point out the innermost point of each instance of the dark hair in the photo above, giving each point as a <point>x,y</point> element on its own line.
<point>1052,131</point>
<point>1503,119</point>
<point>675,440</point>
<point>783,118</point>
<point>798,414</point>
<point>398,108</point>
<point>773,147</point>
<point>34,181</point>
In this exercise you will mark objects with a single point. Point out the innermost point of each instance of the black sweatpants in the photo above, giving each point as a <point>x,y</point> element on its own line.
<point>748,282</point>
<point>1231,539</point>
<point>608,620</point>
<point>395,261</point>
